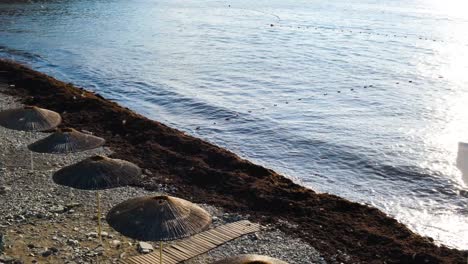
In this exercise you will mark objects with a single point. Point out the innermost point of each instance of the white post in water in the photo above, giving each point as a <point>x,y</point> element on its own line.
<point>462,160</point>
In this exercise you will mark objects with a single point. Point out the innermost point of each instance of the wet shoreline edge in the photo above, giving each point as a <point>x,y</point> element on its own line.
<point>341,230</point>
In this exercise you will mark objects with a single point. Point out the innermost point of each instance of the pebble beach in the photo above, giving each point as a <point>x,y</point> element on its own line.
<point>45,223</point>
<point>41,222</point>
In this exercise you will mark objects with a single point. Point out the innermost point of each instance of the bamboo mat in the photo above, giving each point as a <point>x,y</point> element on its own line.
<point>197,244</point>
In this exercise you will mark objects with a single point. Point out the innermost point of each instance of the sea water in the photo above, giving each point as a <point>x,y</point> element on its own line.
<point>364,99</point>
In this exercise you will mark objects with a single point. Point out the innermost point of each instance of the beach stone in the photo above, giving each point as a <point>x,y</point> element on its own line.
<point>4,189</point>
<point>40,215</point>
<point>46,253</point>
<point>6,259</point>
<point>99,250</point>
<point>20,218</point>
<point>72,205</point>
<point>57,209</point>
<point>73,243</point>
<point>115,243</point>
<point>2,243</point>
<point>92,234</point>
<point>145,248</point>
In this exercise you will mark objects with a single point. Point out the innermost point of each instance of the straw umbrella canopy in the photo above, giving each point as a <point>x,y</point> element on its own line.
<point>29,118</point>
<point>98,173</point>
<point>158,218</point>
<point>250,259</point>
<point>66,140</point>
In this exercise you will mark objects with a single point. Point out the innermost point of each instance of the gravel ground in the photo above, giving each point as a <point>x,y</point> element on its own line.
<point>41,222</point>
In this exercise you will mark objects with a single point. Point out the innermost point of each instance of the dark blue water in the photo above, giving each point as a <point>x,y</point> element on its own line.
<point>365,100</point>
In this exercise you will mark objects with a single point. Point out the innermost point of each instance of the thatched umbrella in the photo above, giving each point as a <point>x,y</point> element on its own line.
<point>158,218</point>
<point>250,259</point>
<point>98,173</point>
<point>66,140</point>
<point>31,119</point>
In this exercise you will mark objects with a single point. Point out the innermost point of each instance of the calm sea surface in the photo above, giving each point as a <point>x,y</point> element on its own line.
<point>367,100</point>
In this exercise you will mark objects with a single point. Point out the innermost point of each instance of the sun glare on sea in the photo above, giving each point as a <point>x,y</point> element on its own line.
<point>455,8</point>
<point>454,107</point>
<point>447,67</point>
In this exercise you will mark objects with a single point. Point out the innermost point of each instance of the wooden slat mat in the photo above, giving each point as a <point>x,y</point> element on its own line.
<point>197,244</point>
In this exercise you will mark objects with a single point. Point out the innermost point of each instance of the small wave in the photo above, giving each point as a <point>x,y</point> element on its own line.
<point>20,53</point>
<point>166,96</point>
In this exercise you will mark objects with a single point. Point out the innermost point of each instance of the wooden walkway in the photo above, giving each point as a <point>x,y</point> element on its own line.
<point>197,244</point>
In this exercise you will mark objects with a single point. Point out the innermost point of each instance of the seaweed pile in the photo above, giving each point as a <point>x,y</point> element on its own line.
<point>341,230</point>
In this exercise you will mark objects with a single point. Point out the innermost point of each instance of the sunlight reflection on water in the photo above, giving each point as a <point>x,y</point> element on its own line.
<point>462,160</point>
<point>364,100</point>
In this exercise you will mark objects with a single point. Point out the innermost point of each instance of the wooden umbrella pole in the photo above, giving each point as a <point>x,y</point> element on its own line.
<point>32,161</point>
<point>160,252</point>
<point>98,198</point>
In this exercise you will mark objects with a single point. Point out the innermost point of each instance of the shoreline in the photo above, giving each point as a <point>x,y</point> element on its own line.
<point>342,231</point>
<point>33,206</point>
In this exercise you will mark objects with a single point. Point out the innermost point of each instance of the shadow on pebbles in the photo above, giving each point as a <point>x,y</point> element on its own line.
<point>41,222</point>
